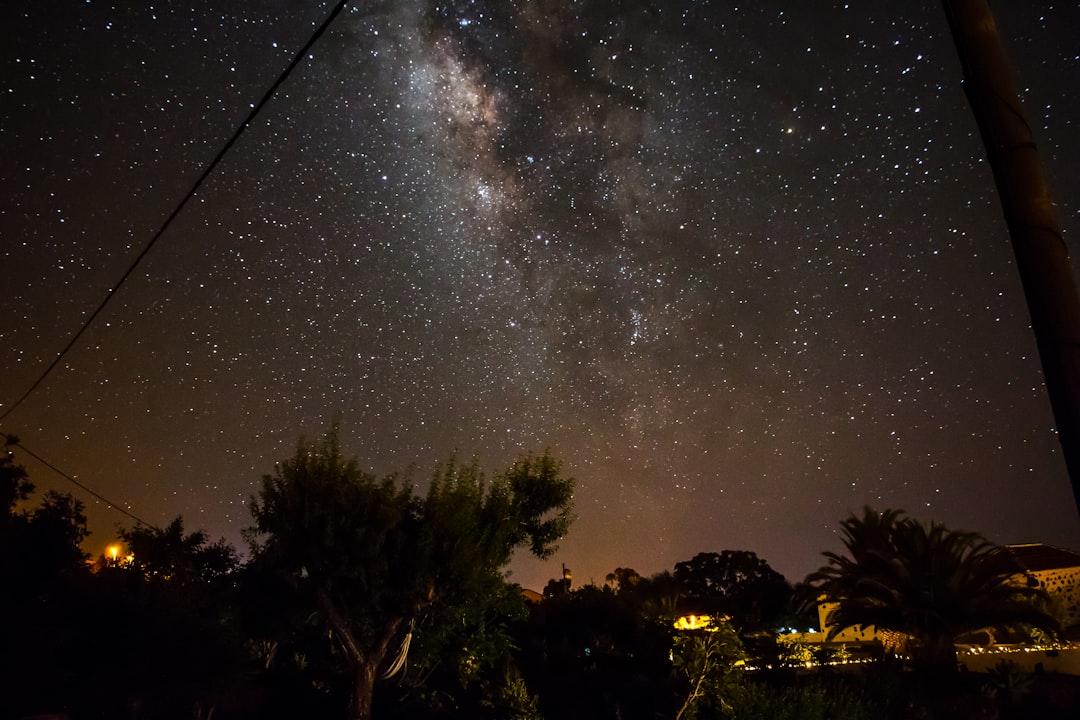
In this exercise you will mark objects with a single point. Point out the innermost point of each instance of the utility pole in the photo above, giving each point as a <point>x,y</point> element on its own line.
<point>1041,254</point>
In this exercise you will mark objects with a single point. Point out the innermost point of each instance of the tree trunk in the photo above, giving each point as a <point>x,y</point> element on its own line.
<point>365,663</point>
<point>936,657</point>
<point>1042,256</point>
<point>363,689</point>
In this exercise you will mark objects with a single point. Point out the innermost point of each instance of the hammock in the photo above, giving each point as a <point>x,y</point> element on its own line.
<point>402,656</point>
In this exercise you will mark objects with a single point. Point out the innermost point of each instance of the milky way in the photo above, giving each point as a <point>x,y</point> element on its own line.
<point>742,268</point>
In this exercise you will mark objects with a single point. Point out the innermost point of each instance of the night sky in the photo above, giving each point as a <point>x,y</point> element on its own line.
<point>741,266</point>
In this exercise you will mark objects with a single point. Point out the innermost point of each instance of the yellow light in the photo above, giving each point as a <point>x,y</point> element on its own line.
<point>694,622</point>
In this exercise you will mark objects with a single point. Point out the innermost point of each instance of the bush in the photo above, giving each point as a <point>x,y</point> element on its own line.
<point>813,701</point>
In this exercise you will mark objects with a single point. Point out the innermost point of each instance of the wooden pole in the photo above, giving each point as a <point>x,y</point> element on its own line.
<point>1041,254</point>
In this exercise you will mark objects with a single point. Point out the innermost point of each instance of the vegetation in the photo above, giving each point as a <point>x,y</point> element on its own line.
<point>374,560</point>
<point>44,573</point>
<point>927,582</point>
<point>708,661</point>
<point>354,578</point>
<point>736,583</point>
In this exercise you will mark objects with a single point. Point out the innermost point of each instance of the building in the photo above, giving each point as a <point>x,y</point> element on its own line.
<point>1057,572</point>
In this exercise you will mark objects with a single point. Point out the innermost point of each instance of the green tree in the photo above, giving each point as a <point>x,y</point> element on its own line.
<point>44,575</point>
<point>376,560</point>
<point>171,632</point>
<point>15,485</point>
<point>170,554</point>
<point>623,579</point>
<point>736,583</point>
<point>463,666</point>
<point>706,660</point>
<point>660,596</point>
<point>928,582</point>
<point>591,653</point>
<point>54,533</point>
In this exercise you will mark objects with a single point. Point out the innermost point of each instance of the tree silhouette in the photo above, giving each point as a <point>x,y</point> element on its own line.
<point>706,660</point>
<point>623,579</point>
<point>736,583</point>
<point>170,632</point>
<point>377,562</point>
<point>592,653</point>
<point>171,554</point>
<point>15,485</point>
<point>44,571</point>
<point>928,582</point>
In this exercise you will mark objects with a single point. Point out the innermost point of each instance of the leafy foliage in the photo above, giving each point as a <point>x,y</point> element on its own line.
<point>42,545</point>
<point>707,660</point>
<point>183,630</point>
<point>736,583</point>
<point>623,579</point>
<point>169,554</point>
<point>812,701</point>
<point>593,653</point>
<point>15,485</point>
<point>169,630</point>
<point>925,581</point>
<point>44,571</point>
<point>374,559</point>
<point>794,652</point>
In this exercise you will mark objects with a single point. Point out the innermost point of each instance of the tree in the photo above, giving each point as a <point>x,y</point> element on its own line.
<point>170,554</point>
<point>591,653</point>
<point>44,573</point>
<point>43,542</point>
<point>1042,258</point>
<point>171,633</point>
<point>622,579</point>
<point>15,485</point>
<point>55,531</point>
<point>376,561</point>
<point>660,596</point>
<point>927,582</point>
<point>706,659</point>
<point>736,583</point>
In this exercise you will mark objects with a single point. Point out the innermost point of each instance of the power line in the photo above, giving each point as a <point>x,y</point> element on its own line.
<point>12,441</point>
<point>182,204</point>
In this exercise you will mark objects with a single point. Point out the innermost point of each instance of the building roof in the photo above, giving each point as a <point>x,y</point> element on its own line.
<point>531,596</point>
<point>1036,557</point>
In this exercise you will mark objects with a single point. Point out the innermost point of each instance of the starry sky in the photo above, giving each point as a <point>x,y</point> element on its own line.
<point>741,266</point>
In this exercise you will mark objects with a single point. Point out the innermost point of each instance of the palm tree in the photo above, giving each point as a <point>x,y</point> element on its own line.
<point>927,582</point>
